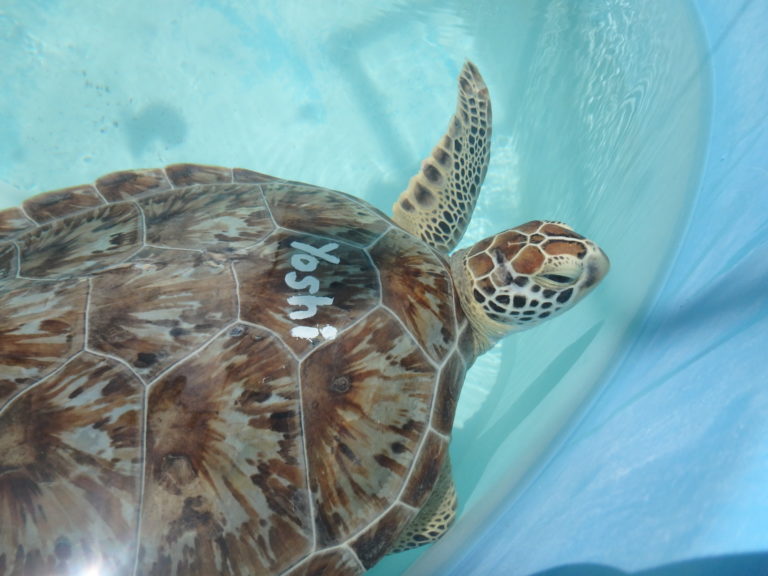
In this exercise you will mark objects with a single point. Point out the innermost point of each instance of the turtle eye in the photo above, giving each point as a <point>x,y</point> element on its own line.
<point>559,279</point>
<point>561,273</point>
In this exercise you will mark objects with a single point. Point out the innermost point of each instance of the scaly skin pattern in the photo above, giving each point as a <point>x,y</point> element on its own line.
<point>438,202</point>
<point>523,276</point>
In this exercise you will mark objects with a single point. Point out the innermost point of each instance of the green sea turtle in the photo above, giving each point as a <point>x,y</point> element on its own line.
<point>208,371</point>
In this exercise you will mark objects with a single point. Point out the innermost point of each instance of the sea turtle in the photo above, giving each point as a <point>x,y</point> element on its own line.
<point>207,370</point>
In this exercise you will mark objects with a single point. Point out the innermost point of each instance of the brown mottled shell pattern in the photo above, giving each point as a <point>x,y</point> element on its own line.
<point>212,371</point>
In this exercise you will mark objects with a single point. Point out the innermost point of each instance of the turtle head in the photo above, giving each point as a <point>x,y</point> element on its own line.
<point>523,276</point>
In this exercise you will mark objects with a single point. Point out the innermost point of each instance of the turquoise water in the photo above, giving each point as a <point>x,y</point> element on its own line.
<point>601,113</point>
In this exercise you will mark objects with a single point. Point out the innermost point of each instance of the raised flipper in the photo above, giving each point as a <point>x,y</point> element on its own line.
<point>438,202</point>
<point>434,518</point>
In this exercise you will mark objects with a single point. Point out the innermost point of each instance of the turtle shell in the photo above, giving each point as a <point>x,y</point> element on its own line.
<point>207,370</point>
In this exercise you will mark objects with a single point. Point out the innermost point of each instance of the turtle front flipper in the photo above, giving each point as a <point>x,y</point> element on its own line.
<point>436,516</point>
<point>438,202</point>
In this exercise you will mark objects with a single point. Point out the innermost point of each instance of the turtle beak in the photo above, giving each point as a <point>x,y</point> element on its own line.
<point>597,266</point>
